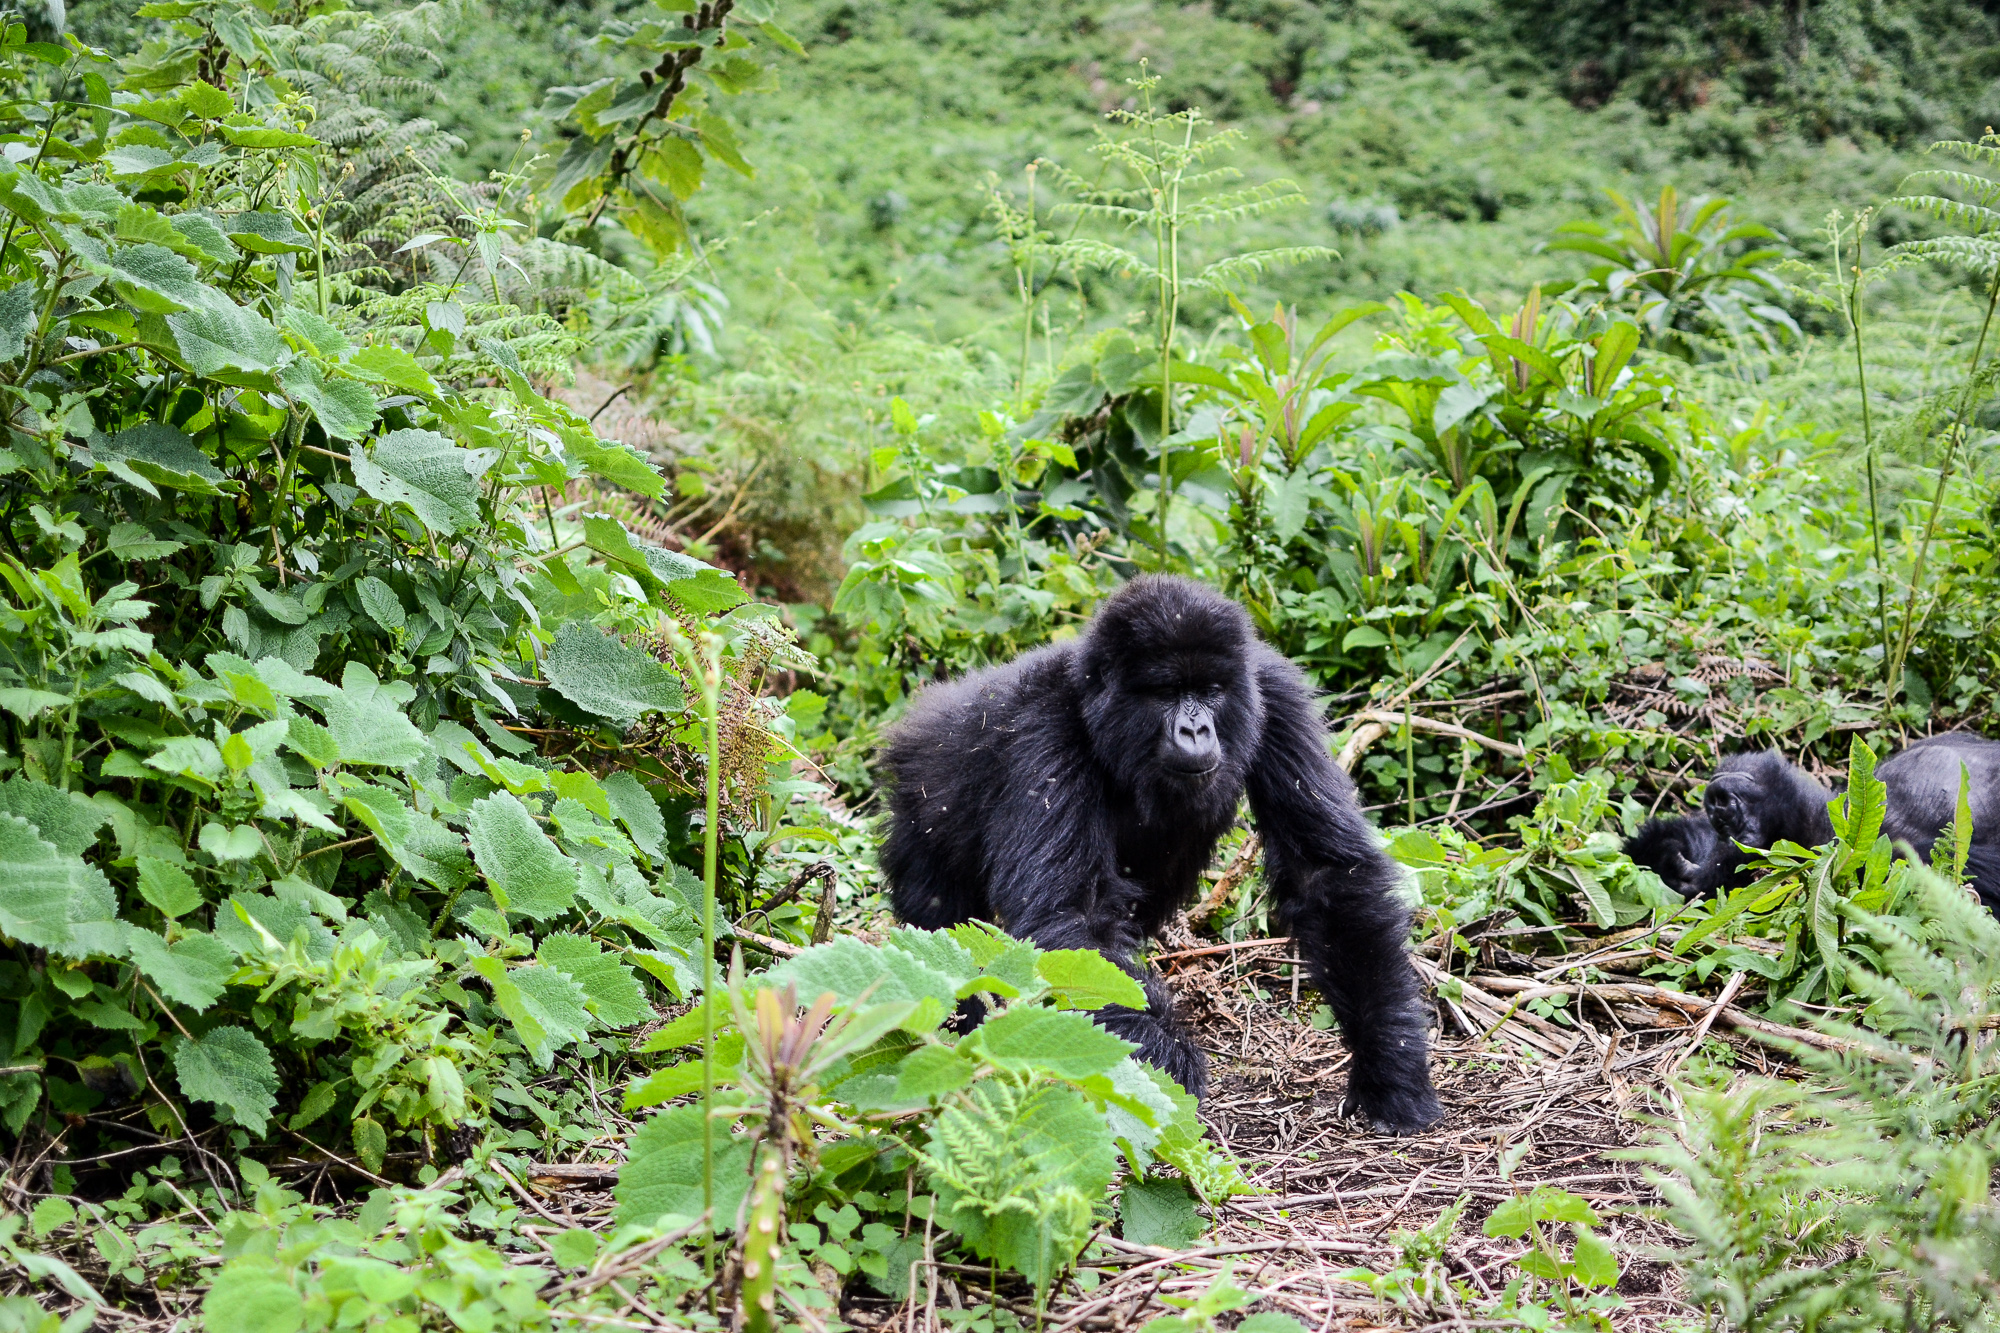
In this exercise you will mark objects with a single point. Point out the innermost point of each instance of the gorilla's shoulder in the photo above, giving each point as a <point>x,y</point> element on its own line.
<point>996,698</point>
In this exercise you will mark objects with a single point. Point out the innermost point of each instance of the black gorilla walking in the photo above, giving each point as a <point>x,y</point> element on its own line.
<point>1758,800</point>
<point>1075,795</point>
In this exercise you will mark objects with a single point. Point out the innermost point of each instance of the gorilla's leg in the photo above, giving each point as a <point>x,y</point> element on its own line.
<point>1162,1038</point>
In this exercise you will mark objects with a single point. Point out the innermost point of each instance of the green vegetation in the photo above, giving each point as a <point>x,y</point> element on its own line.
<point>407,781</point>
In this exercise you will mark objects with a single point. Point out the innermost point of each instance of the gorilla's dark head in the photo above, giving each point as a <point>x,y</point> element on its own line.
<point>1680,851</point>
<point>1169,695</point>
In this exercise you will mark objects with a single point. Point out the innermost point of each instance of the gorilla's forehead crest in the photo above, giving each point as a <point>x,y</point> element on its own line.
<point>1160,616</point>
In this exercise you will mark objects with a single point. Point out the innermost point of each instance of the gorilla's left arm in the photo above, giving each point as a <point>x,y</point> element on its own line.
<point>1337,893</point>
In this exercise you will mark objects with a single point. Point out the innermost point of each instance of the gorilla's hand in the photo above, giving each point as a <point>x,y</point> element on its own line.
<point>1732,802</point>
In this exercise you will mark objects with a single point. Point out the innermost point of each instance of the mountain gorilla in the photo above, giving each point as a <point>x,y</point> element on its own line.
<point>1758,800</point>
<point>1075,795</point>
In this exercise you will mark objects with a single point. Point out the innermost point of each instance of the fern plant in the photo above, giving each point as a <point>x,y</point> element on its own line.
<point>1172,192</point>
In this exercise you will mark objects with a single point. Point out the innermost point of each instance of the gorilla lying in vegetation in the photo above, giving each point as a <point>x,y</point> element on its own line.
<point>1075,795</point>
<point>1758,800</point>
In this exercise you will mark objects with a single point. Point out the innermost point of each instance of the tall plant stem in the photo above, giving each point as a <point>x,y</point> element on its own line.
<point>711,697</point>
<point>1868,451</point>
<point>1909,631</point>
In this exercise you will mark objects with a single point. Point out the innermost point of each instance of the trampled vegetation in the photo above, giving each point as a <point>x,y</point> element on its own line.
<point>478,482</point>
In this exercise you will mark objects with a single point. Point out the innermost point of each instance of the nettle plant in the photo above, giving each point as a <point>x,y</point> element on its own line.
<point>345,773</point>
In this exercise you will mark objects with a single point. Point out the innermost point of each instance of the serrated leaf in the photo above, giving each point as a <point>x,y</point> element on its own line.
<point>263,136</point>
<point>345,410</point>
<point>155,454</point>
<point>17,319</point>
<point>366,721</point>
<point>616,463</point>
<point>545,1007</point>
<point>250,1296</point>
<point>390,365</point>
<point>231,1068</point>
<point>930,1072</point>
<point>54,901</point>
<point>1159,1211</point>
<point>638,812</point>
<point>425,471</point>
<point>266,233</point>
<point>317,332</point>
<point>852,970</point>
<point>663,1170</point>
<point>153,280</point>
<point>1031,1040</point>
<point>379,600</point>
<point>190,971</point>
<point>226,843</point>
<point>612,989</point>
<point>226,341</point>
<point>203,234</point>
<point>1592,1262</point>
<point>170,889</point>
<point>1086,979</point>
<point>602,674</point>
<point>66,820</point>
<point>530,874</point>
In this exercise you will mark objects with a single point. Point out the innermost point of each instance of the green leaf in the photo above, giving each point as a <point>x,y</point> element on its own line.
<point>267,233</point>
<point>17,319</point>
<point>262,136</point>
<point>317,333</point>
<point>28,704</point>
<point>663,1170</point>
<point>230,843</point>
<point>1086,979</point>
<point>527,871</point>
<point>384,363</point>
<point>345,410</point>
<point>167,887</point>
<point>231,1068</point>
<point>153,280</point>
<point>190,971</point>
<point>201,232</point>
<point>930,1072</point>
<point>611,988</point>
<point>425,471</point>
<point>367,723</point>
<point>1160,1211</point>
<point>155,454</point>
<point>618,464</point>
<point>64,819</point>
<point>638,812</point>
<point>251,1296</point>
<point>225,341</point>
<point>1593,1263</point>
<point>54,901</point>
<point>1031,1040</point>
<point>1510,1218</point>
<point>852,970</point>
<point>371,1143</point>
<point>602,674</point>
<point>379,600</point>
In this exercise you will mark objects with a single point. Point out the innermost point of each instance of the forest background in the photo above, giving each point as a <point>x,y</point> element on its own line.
<point>630,405</point>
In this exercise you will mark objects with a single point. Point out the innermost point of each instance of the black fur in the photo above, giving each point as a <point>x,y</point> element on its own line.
<point>1757,800</point>
<point>1075,795</point>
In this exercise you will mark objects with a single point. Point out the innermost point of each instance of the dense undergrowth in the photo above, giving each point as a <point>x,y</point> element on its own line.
<point>400,785</point>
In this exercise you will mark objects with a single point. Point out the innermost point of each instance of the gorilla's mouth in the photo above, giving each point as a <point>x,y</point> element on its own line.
<point>1193,772</point>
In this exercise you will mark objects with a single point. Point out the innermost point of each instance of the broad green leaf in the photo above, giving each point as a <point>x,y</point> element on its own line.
<point>937,950</point>
<point>222,340</point>
<point>28,704</point>
<point>1031,1040</point>
<point>1593,1262</point>
<point>371,1142</point>
<point>663,1170</point>
<point>17,319</point>
<point>379,600</point>
<point>250,1295</point>
<point>616,463</point>
<point>425,471</point>
<point>230,1067</point>
<point>1086,979</point>
<point>63,819</point>
<point>167,887</point>
<point>932,1071</point>
<point>317,332</point>
<point>155,454</point>
<point>613,991</point>
<point>638,812</point>
<point>190,971</point>
<point>230,843</point>
<point>263,136</point>
<point>266,233</point>
<point>1510,1218</point>
<point>852,970</point>
<point>604,675</point>
<point>527,871</point>
<point>153,280</point>
<point>383,363</point>
<point>52,900</point>
<point>346,410</point>
<point>367,723</point>
<point>545,1007</point>
<point>1159,1211</point>
<point>203,234</point>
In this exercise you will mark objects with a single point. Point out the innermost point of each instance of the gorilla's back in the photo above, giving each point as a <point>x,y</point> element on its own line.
<point>1923,787</point>
<point>952,756</point>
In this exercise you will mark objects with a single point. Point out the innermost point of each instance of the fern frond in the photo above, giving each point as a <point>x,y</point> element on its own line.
<point>1225,272</point>
<point>1958,213</point>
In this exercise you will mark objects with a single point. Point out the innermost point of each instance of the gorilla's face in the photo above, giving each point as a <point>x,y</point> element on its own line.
<point>1171,700</point>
